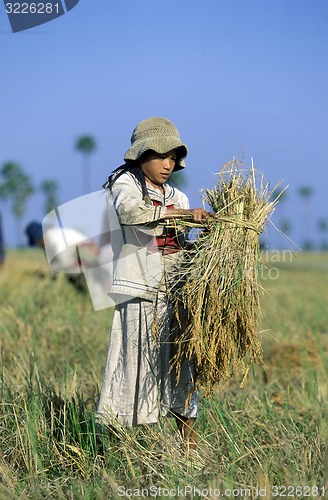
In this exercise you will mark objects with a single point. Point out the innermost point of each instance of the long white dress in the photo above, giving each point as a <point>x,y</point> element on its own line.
<point>138,384</point>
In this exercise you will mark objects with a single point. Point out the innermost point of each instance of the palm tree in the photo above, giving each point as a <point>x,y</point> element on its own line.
<point>49,188</point>
<point>284,223</point>
<point>86,144</point>
<point>305,193</point>
<point>17,187</point>
<point>323,228</point>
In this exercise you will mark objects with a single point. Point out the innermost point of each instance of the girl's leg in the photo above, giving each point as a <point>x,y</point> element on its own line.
<point>186,429</point>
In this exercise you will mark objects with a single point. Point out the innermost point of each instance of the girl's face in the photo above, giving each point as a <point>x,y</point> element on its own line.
<point>157,168</point>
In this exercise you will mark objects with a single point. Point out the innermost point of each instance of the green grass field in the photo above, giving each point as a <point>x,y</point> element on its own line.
<point>263,440</point>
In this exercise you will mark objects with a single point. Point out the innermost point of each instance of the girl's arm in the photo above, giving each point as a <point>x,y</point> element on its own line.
<point>195,214</point>
<point>133,210</point>
<point>129,204</point>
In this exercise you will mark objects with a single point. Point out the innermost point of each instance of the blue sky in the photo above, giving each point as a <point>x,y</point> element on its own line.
<point>234,76</point>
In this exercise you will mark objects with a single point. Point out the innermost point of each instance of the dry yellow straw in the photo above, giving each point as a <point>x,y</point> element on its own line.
<point>218,282</point>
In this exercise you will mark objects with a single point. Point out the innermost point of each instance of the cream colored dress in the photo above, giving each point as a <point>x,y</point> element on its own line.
<point>138,385</point>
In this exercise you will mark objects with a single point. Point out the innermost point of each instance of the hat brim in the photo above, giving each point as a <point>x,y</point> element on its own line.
<point>159,145</point>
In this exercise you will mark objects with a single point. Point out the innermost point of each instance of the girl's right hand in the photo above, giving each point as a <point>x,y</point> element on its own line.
<point>199,214</point>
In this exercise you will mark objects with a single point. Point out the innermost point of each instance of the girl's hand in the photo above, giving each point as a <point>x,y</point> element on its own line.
<point>199,214</point>
<point>196,214</point>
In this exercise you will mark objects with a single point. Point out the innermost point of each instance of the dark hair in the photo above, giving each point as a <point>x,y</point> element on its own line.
<point>179,154</point>
<point>134,169</point>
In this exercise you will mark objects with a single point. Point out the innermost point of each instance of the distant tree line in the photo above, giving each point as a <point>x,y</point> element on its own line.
<point>16,187</point>
<point>306,242</point>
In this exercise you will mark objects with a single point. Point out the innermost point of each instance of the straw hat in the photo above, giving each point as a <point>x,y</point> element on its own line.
<point>159,135</point>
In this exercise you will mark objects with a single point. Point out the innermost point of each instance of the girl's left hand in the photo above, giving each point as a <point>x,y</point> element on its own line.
<point>199,214</point>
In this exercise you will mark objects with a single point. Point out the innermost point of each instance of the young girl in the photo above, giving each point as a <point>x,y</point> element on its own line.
<point>138,384</point>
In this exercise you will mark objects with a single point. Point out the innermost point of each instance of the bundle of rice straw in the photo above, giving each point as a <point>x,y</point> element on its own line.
<point>218,282</point>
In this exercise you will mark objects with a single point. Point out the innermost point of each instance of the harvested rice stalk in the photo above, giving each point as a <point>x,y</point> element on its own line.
<point>218,281</point>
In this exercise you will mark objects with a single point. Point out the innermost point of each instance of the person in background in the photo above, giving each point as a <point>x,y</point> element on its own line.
<point>34,234</point>
<point>138,384</point>
<point>66,260</point>
<point>86,264</point>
